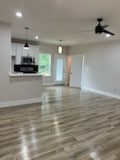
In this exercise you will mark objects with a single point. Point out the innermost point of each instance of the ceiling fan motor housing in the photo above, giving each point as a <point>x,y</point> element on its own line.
<point>99,29</point>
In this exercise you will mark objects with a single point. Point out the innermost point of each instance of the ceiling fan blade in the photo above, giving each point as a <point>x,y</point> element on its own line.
<point>105,26</point>
<point>108,32</point>
<point>85,31</point>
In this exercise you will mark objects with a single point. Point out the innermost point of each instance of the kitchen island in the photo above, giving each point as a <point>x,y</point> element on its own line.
<point>26,88</point>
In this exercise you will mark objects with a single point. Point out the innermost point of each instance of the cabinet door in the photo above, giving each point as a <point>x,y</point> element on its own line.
<point>31,51</point>
<point>13,49</point>
<point>19,53</point>
<point>25,52</point>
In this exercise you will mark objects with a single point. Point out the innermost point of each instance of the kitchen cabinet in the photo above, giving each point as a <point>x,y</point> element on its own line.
<point>13,49</point>
<point>17,51</point>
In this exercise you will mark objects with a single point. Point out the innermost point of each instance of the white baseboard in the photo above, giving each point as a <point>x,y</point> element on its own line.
<point>48,84</point>
<point>19,102</point>
<point>102,92</point>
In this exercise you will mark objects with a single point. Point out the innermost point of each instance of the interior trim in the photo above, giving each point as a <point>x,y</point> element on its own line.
<point>102,92</point>
<point>20,102</point>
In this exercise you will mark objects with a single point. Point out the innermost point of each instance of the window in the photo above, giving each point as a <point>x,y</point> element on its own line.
<point>45,64</point>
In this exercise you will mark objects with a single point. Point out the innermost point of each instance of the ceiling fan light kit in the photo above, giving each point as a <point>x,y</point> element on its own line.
<point>107,35</point>
<point>19,14</point>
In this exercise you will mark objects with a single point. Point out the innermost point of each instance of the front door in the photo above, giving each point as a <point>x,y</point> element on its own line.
<point>60,69</point>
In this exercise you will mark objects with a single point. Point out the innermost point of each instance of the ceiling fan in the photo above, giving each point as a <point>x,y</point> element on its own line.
<point>99,29</point>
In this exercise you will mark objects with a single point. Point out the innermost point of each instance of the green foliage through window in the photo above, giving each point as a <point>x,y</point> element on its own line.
<point>45,64</point>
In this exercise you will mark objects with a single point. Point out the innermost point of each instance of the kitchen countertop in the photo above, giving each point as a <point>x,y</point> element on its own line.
<point>25,75</point>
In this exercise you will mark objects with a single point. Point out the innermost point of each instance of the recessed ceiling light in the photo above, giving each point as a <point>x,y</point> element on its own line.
<point>19,14</point>
<point>36,37</point>
<point>107,35</point>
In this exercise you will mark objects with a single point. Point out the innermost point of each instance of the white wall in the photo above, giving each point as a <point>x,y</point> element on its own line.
<point>102,67</point>
<point>14,89</point>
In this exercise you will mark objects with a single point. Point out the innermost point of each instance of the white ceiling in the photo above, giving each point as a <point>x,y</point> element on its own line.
<point>66,20</point>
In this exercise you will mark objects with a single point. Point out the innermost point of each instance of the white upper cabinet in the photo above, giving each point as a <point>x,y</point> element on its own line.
<point>25,52</point>
<point>31,50</point>
<point>19,51</point>
<point>13,49</point>
<point>37,51</point>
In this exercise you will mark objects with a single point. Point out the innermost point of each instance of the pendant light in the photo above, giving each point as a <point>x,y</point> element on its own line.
<point>60,48</point>
<point>26,46</point>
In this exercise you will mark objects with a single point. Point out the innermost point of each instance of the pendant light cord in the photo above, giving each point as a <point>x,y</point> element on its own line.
<point>26,46</point>
<point>26,33</point>
<point>60,42</point>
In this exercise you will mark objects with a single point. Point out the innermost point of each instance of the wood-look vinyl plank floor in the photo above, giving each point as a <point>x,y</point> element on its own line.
<point>69,125</point>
